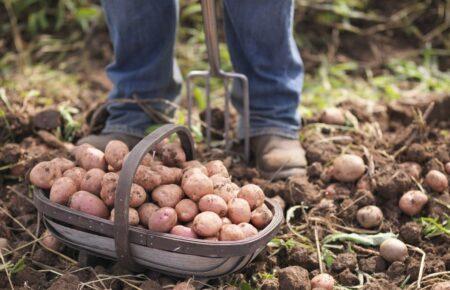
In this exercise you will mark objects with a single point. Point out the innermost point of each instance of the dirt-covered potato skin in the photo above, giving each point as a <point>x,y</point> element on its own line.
<point>369,216</point>
<point>44,174</point>
<point>216,167</point>
<point>261,217</point>
<point>248,230</point>
<point>167,195</point>
<point>115,153</point>
<point>231,232</point>
<point>145,211</point>
<point>172,155</point>
<point>163,220</point>
<point>214,203</point>
<point>348,168</point>
<point>147,178</point>
<point>109,185</point>
<point>196,186</point>
<point>207,224</point>
<point>76,173</point>
<point>137,195</point>
<point>62,190</point>
<point>183,231</point>
<point>133,216</point>
<point>186,210</point>
<point>412,202</point>
<point>239,211</point>
<point>169,175</point>
<point>92,181</point>
<point>90,158</point>
<point>63,163</point>
<point>253,194</point>
<point>88,203</point>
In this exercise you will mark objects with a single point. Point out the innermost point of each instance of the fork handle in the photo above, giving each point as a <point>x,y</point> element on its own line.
<point>211,37</point>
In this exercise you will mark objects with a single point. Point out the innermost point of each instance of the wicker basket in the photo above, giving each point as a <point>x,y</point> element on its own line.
<point>136,248</point>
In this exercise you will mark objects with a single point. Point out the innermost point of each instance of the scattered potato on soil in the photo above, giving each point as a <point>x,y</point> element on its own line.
<point>230,232</point>
<point>133,216</point>
<point>63,163</point>
<point>216,167</point>
<point>184,286</point>
<point>436,180</point>
<point>169,175</point>
<point>50,241</point>
<point>4,243</point>
<point>44,174</point>
<point>109,185</point>
<point>261,217</point>
<point>115,153</point>
<point>214,203</point>
<point>90,158</point>
<point>163,220</point>
<point>348,168</point>
<point>369,216</point>
<point>196,186</point>
<point>172,154</point>
<point>207,224</point>
<point>332,116</point>
<point>413,169</point>
<point>167,195</point>
<point>62,190</point>
<point>76,174</point>
<point>147,178</point>
<point>186,210</point>
<point>145,211</point>
<point>239,211</point>
<point>447,167</point>
<point>393,250</point>
<point>323,281</point>
<point>412,202</point>
<point>248,230</point>
<point>253,194</point>
<point>183,231</point>
<point>92,181</point>
<point>88,203</point>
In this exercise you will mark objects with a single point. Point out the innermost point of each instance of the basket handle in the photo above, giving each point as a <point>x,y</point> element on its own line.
<point>121,202</point>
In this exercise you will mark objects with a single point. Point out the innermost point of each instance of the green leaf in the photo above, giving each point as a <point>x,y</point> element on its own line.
<point>245,286</point>
<point>363,239</point>
<point>19,266</point>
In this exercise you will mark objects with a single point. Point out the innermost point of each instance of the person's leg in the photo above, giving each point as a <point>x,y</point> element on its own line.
<point>143,36</point>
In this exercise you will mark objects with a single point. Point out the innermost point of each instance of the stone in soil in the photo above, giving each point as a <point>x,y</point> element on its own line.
<point>294,277</point>
<point>396,271</point>
<point>301,257</point>
<point>374,264</point>
<point>30,277</point>
<point>66,282</point>
<point>301,190</point>
<point>344,261</point>
<point>411,233</point>
<point>347,278</point>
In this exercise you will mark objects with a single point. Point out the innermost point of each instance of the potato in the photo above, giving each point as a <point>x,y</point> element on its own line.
<point>393,250</point>
<point>115,153</point>
<point>348,168</point>
<point>49,241</point>
<point>147,160</point>
<point>167,195</point>
<point>369,216</point>
<point>253,194</point>
<point>214,203</point>
<point>145,211</point>
<point>92,181</point>
<point>44,174</point>
<point>226,221</point>
<point>163,220</point>
<point>133,216</point>
<point>137,195</point>
<point>231,233</point>
<point>88,203</point>
<point>183,231</point>
<point>278,199</point>
<point>261,216</point>
<point>447,167</point>
<point>216,167</point>
<point>4,243</point>
<point>147,178</point>
<point>76,174</point>
<point>184,286</point>
<point>186,210</point>
<point>191,171</point>
<point>332,116</point>
<point>159,146</point>
<point>109,185</point>
<point>441,286</point>
<point>169,175</point>
<point>413,169</point>
<point>172,154</point>
<point>207,224</point>
<point>213,239</point>
<point>412,202</point>
<point>323,281</point>
<point>63,163</point>
<point>196,186</point>
<point>77,151</point>
<point>239,211</point>
<point>227,191</point>
<point>91,158</point>
<point>219,180</point>
<point>194,164</point>
<point>62,190</point>
<point>436,180</point>
<point>248,230</point>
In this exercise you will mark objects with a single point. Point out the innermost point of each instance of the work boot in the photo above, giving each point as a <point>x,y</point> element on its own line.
<point>278,157</point>
<point>100,141</point>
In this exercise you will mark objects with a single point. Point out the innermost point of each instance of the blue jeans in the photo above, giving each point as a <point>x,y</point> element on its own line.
<point>260,40</point>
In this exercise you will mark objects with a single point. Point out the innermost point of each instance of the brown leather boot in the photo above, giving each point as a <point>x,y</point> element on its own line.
<point>100,141</point>
<point>278,157</point>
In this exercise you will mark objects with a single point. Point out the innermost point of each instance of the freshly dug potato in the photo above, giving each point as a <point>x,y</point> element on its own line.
<point>207,224</point>
<point>413,169</point>
<point>231,233</point>
<point>183,231</point>
<point>163,220</point>
<point>253,194</point>
<point>369,216</point>
<point>50,241</point>
<point>194,164</point>
<point>323,281</point>
<point>115,153</point>
<point>196,186</point>
<point>447,167</point>
<point>137,195</point>
<point>226,221</point>
<point>76,174</point>
<point>62,190</point>
<point>212,239</point>
<point>133,216</point>
<point>88,203</point>
<point>92,181</point>
<point>90,158</point>
<point>248,230</point>
<point>412,202</point>
<point>77,151</point>
<point>167,195</point>
<point>159,146</point>
<point>333,116</point>
<point>145,211</point>
<point>261,216</point>
<point>393,250</point>
<point>436,180</point>
<point>219,180</point>
<point>214,203</point>
<point>186,210</point>
<point>184,286</point>
<point>63,163</point>
<point>172,154</point>
<point>227,191</point>
<point>239,211</point>
<point>147,178</point>
<point>278,199</point>
<point>169,175</point>
<point>4,243</point>
<point>191,171</point>
<point>44,174</point>
<point>216,167</point>
<point>146,161</point>
<point>109,185</point>
<point>348,168</point>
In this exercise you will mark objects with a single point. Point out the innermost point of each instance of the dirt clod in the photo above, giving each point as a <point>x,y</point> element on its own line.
<point>294,277</point>
<point>66,281</point>
<point>411,233</point>
<point>47,120</point>
<point>303,258</point>
<point>301,190</point>
<point>343,261</point>
<point>270,284</point>
<point>396,271</point>
<point>346,277</point>
<point>374,264</point>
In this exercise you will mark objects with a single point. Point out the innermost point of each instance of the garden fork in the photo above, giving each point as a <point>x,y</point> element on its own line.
<point>212,45</point>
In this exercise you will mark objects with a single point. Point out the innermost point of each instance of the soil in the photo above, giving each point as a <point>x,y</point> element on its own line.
<point>294,277</point>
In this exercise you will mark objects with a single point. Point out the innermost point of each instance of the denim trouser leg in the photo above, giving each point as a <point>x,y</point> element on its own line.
<point>260,40</point>
<point>143,37</point>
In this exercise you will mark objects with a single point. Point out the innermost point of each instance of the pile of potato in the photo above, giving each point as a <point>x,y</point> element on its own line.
<point>169,194</point>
